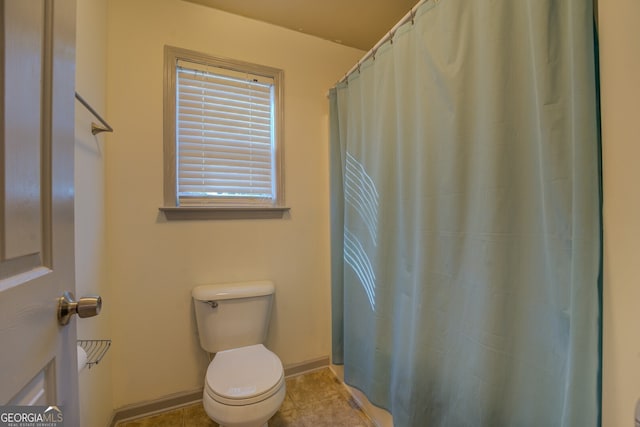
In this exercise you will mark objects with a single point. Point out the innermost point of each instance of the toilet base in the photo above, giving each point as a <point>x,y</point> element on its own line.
<point>253,415</point>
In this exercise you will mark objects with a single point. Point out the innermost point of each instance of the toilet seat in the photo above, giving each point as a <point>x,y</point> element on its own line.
<point>243,376</point>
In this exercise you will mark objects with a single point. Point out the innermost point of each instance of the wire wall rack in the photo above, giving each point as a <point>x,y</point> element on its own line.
<point>95,349</point>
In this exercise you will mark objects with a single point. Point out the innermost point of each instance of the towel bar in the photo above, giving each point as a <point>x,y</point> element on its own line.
<point>95,129</point>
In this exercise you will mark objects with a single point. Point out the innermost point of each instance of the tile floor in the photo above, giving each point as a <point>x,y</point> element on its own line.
<point>316,399</point>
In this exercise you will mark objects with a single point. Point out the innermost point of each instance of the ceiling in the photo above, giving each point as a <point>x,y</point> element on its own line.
<point>355,23</point>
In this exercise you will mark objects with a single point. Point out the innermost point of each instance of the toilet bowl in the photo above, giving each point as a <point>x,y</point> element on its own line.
<point>244,383</point>
<point>244,387</point>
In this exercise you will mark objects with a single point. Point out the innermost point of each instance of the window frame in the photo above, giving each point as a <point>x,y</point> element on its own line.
<point>222,208</point>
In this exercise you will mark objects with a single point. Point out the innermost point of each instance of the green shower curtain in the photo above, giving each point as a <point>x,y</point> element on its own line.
<point>465,217</point>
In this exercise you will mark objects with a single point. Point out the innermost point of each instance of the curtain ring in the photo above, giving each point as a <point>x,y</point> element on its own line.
<point>413,15</point>
<point>391,35</point>
<point>359,67</point>
<point>373,54</point>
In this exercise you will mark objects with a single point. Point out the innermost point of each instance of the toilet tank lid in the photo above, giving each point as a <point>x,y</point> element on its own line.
<point>215,292</point>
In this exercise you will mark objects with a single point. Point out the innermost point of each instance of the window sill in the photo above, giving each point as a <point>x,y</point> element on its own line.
<point>207,212</point>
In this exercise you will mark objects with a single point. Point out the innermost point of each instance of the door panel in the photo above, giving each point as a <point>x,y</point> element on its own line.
<point>39,391</point>
<point>24,28</point>
<point>21,215</point>
<point>37,79</point>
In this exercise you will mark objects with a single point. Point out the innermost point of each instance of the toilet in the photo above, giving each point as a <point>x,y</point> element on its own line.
<point>244,384</point>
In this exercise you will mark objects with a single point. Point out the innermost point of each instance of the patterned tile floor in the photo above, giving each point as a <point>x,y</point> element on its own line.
<point>316,399</point>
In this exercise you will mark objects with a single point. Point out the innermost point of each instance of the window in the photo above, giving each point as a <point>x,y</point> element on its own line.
<point>222,135</point>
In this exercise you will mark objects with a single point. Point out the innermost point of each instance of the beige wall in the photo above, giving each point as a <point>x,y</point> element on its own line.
<point>96,402</point>
<point>154,264</point>
<point>620,72</point>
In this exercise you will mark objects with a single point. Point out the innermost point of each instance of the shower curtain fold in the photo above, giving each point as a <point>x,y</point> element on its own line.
<point>465,217</point>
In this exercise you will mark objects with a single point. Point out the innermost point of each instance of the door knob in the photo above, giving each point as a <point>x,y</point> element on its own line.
<point>84,307</point>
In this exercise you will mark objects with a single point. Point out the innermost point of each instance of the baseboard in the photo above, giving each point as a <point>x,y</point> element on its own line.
<point>111,421</point>
<point>307,366</point>
<point>163,404</point>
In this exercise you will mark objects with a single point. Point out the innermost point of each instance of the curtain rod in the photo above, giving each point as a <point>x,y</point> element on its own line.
<point>388,36</point>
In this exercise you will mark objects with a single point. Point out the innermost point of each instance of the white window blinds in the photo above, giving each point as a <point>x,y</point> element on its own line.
<point>225,135</point>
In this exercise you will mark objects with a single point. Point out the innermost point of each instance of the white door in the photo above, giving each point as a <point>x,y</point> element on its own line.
<point>37,79</point>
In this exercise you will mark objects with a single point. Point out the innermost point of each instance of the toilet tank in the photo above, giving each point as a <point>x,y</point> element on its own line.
<point>232,315</point>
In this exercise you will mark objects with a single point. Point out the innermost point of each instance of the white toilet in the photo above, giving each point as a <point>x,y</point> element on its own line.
<point>244,385</point>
